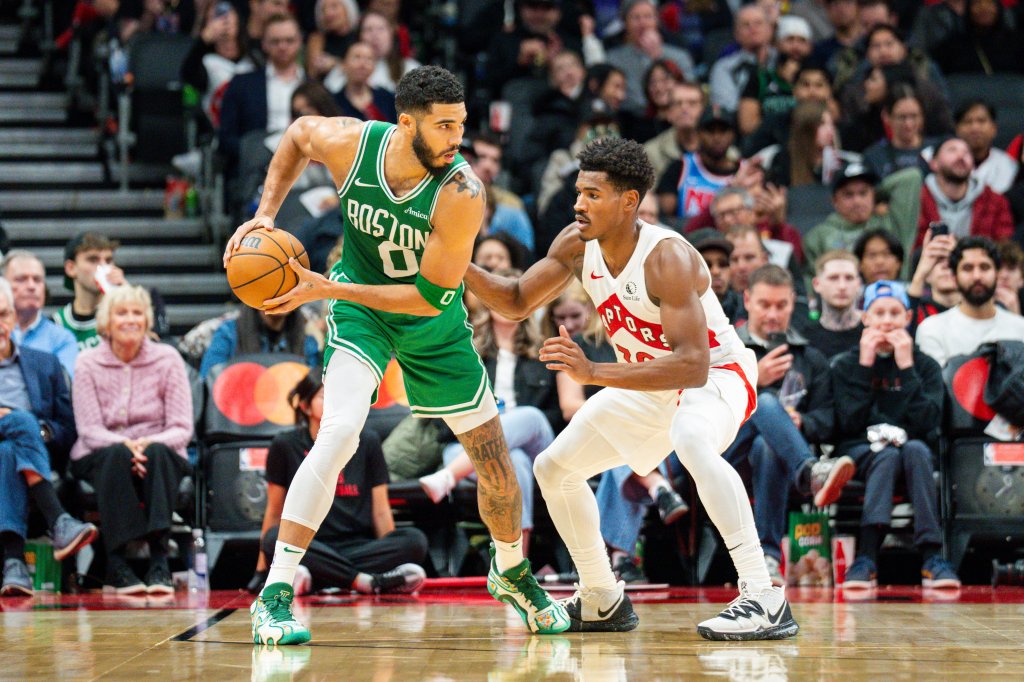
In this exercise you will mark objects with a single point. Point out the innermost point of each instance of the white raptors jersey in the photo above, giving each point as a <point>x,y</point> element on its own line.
<point>631,319</point>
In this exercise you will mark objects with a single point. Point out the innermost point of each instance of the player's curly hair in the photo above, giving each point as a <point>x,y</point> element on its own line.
<point>624,161</point>
<point>427,85</point>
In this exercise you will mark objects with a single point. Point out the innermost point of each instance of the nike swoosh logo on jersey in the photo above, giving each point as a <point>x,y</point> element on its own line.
<point>604,614</point>
<point>363,184</point>
<point>593,276</point>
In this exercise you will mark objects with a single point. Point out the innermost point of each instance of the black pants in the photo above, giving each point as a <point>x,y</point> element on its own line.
<point>130,507</point>
<point>335,563</point>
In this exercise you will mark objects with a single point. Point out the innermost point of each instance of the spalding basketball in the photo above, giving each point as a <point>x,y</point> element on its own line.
<point>259,269</point>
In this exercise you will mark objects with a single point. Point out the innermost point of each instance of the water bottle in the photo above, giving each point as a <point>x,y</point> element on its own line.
<point>198,577</point>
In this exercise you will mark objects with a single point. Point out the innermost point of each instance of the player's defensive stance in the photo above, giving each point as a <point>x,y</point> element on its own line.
<point>412,208</point>
<point>683,381</point>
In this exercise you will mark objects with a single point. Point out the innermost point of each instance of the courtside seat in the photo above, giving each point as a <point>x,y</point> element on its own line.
<point>983,480</point>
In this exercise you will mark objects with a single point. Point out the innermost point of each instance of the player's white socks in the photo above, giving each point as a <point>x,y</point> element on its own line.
<point>438,484</point>
<point>286,561</point>
<point>508,554</point>
<point>748,557</point>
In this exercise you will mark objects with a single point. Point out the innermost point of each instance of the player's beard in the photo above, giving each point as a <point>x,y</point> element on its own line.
<point>426,157</point>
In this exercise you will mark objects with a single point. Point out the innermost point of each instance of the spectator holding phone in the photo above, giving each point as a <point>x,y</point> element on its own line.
<point>218,54</point>
<point>932,289</point>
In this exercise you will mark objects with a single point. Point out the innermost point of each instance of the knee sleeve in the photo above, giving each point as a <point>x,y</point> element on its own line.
<point>348,385</point>
<point>551,475</point>
<point>691,439</point>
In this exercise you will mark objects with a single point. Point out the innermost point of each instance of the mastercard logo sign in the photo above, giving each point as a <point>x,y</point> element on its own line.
<point>969,388</point>
<point>249,393</point>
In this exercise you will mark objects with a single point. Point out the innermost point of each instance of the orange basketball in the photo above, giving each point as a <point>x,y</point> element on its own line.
<point>259,269</point>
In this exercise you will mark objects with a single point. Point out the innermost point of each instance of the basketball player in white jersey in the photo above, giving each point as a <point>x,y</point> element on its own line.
<point>683,381</point>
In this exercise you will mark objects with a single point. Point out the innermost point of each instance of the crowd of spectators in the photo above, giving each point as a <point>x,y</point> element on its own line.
<point>907,251</point>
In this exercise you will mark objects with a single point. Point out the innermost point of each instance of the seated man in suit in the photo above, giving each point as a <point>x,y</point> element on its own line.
<point>261,100</point>
<point>36,425</point>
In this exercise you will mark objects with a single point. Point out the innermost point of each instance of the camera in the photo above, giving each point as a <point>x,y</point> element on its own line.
<point>938,229</point>
<point>1011,574</point>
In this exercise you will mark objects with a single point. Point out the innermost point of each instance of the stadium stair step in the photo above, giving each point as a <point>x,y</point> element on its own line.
<point>146,258</point>
<point>173,287</point>
<point>18,73</point>
<point>55,231</point>
<point>54,184</point>
<point>17,144</point>
<point>45,203</point>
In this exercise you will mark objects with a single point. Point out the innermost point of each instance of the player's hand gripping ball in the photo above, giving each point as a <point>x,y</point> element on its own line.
<point>259,270</point>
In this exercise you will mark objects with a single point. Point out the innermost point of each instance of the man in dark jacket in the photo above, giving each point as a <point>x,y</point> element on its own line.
<point>794,408</point>
<point>889,398</point>
<point>36,425</point>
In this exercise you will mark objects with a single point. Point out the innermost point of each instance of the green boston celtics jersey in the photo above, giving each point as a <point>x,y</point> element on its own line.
<point>384,234</point>
<point>85,332</point>
<point>384,240</point>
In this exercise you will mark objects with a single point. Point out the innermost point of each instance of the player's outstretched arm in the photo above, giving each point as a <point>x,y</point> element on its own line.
<point>331,141</point>
<point>674,280</point>
<point>515,299</point>
<point>457,218</point>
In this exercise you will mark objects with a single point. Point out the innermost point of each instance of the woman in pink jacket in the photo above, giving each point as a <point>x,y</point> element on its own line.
<point>133,410</point>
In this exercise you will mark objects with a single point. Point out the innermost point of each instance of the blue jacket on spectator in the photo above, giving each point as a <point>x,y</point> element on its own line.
<point>225,341</point>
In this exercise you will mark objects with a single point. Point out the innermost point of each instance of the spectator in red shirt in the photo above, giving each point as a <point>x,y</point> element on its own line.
<point>951,196</point>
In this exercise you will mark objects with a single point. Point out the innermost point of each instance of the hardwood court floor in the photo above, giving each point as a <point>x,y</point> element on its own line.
<point>463,635</point>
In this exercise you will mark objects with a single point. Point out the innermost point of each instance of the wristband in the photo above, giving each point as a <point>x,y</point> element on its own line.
<point>436,296</point>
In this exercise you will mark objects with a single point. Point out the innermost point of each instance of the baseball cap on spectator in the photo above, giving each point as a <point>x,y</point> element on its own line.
<point>709,238</point>
<point>86,241</point>
<point>791,25</point>
<point>851,172</point>
<point>885,288</point>
<point>716,116</point>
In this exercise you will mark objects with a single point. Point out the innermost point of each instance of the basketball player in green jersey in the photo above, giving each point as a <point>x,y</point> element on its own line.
<point>412,209</point>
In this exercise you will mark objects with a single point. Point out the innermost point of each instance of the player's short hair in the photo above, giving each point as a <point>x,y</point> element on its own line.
<point>771,275</point>
<point>624,161</point>
<point>835,254</point>
<point>425,86</point>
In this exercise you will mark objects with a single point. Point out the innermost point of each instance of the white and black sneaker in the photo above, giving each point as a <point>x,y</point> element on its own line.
<point>593,610</point>
<point>764,615</point>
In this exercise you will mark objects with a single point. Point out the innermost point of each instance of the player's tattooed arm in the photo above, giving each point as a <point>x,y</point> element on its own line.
<point>467,182</point>
<point>500,499</point>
